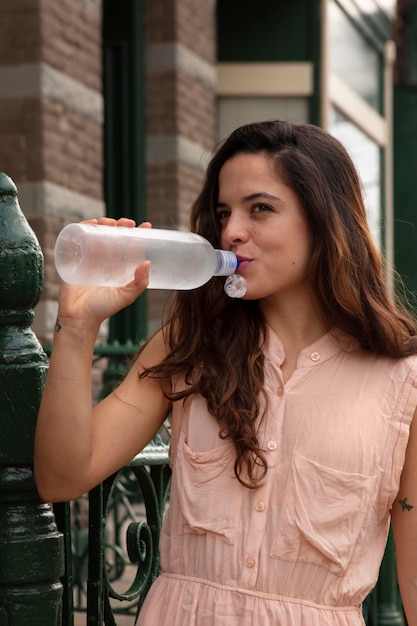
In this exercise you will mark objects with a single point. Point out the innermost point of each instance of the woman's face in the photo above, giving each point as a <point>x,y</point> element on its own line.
<point>263,223</point>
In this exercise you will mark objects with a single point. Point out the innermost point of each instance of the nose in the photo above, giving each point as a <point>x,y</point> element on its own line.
<point>235,230</point>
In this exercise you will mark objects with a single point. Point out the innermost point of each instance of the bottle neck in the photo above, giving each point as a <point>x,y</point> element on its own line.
<point>226,263</point>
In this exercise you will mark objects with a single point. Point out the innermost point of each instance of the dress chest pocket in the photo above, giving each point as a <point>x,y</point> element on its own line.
<point>209,493</point>
<point>322,514</point>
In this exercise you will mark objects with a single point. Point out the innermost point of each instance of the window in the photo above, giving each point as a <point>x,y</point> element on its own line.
<point>356,100</point>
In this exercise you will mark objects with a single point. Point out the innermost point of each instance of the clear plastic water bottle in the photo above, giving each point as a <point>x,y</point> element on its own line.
<point>93,254</point>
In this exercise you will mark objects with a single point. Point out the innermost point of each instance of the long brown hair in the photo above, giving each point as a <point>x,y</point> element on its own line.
<point>216,341</point>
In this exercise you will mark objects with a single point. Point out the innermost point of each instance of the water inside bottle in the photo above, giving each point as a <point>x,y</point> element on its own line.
<point>180,267</point>
<point>86,259</point>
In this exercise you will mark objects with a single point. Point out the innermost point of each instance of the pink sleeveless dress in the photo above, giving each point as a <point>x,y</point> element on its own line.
<point>304,548</point>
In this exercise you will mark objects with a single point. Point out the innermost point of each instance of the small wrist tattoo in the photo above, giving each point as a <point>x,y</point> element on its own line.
<point>405,506</point>
<point>57,326</point>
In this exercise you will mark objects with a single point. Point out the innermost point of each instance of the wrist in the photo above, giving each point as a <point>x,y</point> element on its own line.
<point>75,324</point>
<point>73,330</point>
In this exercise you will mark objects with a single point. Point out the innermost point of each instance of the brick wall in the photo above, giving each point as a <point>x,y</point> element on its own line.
<point>51,120</point>
<point>72,149</point>
<point>71,40</point>
<point>39,118</point>
<point>51,115</point>
<point>180,115</point>
<point>20,40</point>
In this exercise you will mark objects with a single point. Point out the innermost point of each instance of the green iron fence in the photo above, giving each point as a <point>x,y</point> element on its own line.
<point>112,533</point>
<point>112,540</point>
<point>99,554</point>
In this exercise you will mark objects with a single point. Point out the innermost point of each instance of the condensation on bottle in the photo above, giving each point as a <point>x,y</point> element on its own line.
<point>95,254</point>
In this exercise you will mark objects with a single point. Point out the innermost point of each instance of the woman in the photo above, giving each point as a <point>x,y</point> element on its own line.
<point>291,407</point>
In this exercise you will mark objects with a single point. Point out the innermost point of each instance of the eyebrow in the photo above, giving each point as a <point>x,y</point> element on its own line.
<point>254,196</point>
<point>260,194</point>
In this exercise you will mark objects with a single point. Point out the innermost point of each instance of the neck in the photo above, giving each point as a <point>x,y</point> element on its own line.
<point>297,324</point>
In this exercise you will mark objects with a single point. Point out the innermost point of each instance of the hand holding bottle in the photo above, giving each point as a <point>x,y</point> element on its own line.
<point>94,303</point>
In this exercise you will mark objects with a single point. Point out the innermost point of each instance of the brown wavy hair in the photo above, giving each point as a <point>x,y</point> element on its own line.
<point>216,341</point>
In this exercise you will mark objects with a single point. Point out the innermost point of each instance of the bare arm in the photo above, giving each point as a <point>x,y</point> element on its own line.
<point>404,525</point>
<point>77,446</point>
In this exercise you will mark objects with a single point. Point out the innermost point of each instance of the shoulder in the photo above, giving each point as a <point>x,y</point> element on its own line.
<point>405,368</point>
<point>146,363</point>
<point>399,367</point>
<point>154,351</point>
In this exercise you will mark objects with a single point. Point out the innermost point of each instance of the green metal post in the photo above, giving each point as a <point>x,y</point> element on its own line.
<point>388,599</point>
<point>124,137</point>
<point>95,583</point>
<point>31,548</point>
<point>405,145</point>
<point>124,151</point>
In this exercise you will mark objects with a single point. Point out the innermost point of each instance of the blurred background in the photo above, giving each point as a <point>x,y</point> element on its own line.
<point>113,107</point>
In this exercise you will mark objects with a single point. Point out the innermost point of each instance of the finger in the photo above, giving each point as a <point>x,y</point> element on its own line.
<point>110,221</point>
<point>107,221</point>
<point>104,221</point>
<point>141,279</point>
<point>126,222</point>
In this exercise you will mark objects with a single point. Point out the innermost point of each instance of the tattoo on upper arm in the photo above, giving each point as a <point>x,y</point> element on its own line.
<point>405,506</point>
<point>57,326</point>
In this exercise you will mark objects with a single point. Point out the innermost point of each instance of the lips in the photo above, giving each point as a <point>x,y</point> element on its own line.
<point>243,262</point>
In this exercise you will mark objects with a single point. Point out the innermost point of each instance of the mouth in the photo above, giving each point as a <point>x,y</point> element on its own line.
<point>242,262</point>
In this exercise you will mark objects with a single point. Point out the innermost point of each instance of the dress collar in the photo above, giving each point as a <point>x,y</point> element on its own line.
<point>319,351</point>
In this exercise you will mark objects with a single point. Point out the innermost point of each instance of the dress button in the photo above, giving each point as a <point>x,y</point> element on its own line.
<point>272,445</point>
<point>315,356</point>
<point>260,506</point>
<point>280,391</point>
<point>250,562</point>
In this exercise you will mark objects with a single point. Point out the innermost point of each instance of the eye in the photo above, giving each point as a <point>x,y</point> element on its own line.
<point>222,214</point>
<point>261,208</point>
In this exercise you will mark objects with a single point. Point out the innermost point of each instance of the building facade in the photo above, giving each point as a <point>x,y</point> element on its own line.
<point>112,107</point>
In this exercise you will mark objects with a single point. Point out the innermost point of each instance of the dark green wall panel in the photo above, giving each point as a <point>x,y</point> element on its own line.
<point>265,31</point>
